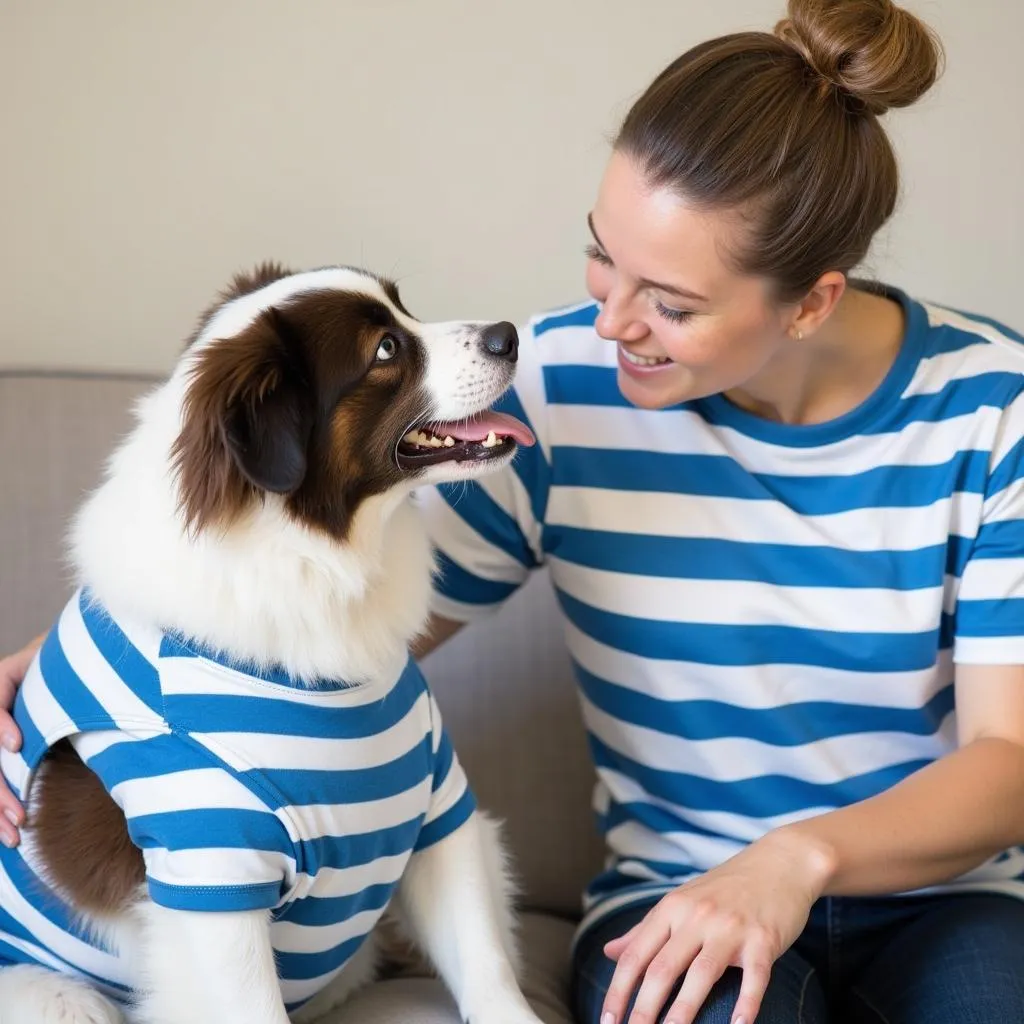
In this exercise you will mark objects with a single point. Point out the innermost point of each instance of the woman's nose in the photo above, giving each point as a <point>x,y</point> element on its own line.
<point>616,322</point>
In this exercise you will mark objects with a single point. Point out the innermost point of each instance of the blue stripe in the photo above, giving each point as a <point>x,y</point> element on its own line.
<point>259,896</point>
<point>144,759</point>
<point>68,689</point>
<point>318,911</point>
<point>215,713</point>
<point>785,725</point>
<point>447,823</point>
<point>584,385</point>
<point>718,476</point>
<point>1000,539</point>
<point>356,850</point>
<point>715,644</point>
<point>303,786</point>
<point>209,829</point>
<point>786,565</point>
<point>657,819</point>
<point>1009,470</point>
<point>120,653</point>
<point>763,796</point>
<point>33,743</point>
<point>457,584</point>
<point>304,966</point>
<point>479,510</point>
<point>999,617</point>
<point>529,464</point>
<point>584,316</point>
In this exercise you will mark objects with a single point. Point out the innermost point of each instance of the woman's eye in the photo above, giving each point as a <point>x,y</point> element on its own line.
<point>387,349</point>
<point>675,316</point>
<point>592,252</point>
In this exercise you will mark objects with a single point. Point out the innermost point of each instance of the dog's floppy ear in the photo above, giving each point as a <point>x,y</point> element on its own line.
<point>246,420</point>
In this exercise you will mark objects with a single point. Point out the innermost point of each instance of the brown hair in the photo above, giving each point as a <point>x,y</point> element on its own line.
<point>784,129</point>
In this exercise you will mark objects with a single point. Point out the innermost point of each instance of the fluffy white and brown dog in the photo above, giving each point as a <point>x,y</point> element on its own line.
<point>231,764</point>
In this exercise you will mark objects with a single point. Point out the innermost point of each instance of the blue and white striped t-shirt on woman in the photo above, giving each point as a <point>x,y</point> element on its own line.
<point>243,790</point>
<point>764,618</point>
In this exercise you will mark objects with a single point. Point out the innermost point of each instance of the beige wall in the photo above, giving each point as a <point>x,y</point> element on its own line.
<point>151,148</point>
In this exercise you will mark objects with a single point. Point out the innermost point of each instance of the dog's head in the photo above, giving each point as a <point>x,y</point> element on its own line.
<point>322,388</point>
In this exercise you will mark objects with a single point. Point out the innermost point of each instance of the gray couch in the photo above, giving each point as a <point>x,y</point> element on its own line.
<point>504,685</point>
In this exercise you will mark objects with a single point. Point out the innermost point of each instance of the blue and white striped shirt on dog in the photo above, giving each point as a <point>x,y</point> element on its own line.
<point>244,791</point>
<point>764,618</point>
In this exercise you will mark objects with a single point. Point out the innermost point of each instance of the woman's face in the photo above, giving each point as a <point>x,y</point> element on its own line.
<point>687,324</point>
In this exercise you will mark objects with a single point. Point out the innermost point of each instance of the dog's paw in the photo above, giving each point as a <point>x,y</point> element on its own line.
<point>40,996</point>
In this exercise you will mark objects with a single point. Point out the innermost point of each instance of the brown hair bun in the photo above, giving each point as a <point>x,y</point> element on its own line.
<point>872,50</point>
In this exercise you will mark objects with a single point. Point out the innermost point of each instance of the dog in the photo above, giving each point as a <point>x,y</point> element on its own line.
<point>231,764</point>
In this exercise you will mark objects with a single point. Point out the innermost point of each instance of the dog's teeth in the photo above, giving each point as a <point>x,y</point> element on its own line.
<point>491,440</point>
<point>449,441</point>
<point>435,442</point>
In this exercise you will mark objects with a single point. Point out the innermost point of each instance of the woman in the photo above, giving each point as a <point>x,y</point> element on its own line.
<point>785,517</point>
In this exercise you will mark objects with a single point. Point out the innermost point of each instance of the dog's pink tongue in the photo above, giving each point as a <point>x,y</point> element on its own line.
<point>477,428</point>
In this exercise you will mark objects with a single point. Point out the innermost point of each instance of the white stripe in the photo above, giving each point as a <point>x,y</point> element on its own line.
<point>985,650</point>
<point>750,603</point>
<point>752,521</point>
<point>1005,505</point>
<point>633,840</point>
<point>341,819</point>
<point>188,676</point>
<point>917,443</point>
<point>14,768</point>
<point>46,714</point>
<point>289,937</point>
<point>89,744</point>
<point>331,882</point>
<point>736,759</point>
<point>761,686</point>
<point>97,674</point>
<point>219,866</point>
<point>576,346</point>
<point>198,788</point>
<point>992,579</point>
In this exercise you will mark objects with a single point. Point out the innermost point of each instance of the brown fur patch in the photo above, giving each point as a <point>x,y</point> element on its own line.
<point>296,405</point>
<point>82,835</point>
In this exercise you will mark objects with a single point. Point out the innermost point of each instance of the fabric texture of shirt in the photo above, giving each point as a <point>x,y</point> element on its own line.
<point>243,790</point>
<point>763,618</point>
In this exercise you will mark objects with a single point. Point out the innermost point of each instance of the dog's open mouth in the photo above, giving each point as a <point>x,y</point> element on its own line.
<point>487,435</point>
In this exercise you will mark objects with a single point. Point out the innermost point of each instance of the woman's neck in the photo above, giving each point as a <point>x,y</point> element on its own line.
<point>826,376</point>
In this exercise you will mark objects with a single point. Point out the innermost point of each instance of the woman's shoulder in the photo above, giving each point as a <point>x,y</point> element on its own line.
<point>982,339</point>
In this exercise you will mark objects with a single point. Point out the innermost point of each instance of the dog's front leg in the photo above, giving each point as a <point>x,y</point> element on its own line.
<point>454,900</point>
<point>209,966</point>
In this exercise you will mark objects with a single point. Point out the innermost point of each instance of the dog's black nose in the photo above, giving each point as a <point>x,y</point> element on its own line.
<point>501,340</point>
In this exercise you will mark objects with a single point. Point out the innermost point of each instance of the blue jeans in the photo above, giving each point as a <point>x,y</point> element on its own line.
<point>955,959</point>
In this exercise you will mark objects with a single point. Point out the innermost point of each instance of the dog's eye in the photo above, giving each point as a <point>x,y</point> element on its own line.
<point>387,349</point>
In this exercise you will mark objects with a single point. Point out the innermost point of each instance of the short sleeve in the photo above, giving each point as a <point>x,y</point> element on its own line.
<point>451,800</point>
<point>989,620</point>
<point>209,843</point>
<point>487,533</point>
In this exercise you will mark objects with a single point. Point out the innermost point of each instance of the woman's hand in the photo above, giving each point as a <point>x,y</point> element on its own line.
<point>745,913</point>
<point>12,671</point>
